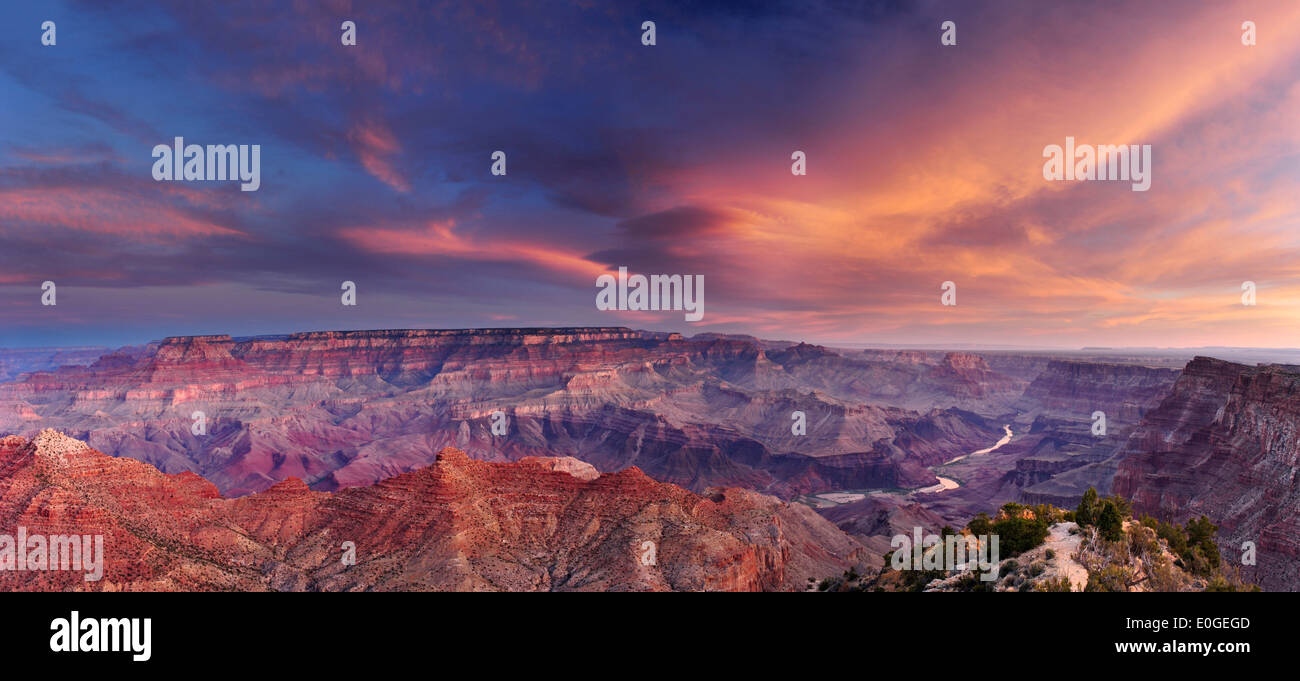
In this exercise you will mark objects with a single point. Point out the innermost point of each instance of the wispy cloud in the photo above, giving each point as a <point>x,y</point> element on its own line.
<point>924,165</point>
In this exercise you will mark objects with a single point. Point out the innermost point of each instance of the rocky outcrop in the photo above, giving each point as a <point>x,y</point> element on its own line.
<point>1224,443</point>
<point>459,524</point>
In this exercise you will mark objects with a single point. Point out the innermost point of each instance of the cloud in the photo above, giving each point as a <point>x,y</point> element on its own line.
<point>924,164</point>
<point>376,146</point>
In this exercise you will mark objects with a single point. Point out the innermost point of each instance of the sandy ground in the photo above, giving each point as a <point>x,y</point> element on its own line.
<point>1066,546</point>
<point>944,485</point>
<point>1062,564</point>
<point>842,497</point>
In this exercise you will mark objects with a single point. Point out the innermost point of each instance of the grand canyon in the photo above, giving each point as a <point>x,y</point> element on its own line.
<point>430,299</point>
<point>556,458</point>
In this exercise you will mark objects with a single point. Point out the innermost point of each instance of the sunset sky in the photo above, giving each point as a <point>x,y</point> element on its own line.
<point>924,165</point>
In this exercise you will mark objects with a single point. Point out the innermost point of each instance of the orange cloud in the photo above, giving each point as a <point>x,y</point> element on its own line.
<point>440,238</point>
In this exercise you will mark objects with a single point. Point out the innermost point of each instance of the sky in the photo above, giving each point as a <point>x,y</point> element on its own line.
<point>924,165</point>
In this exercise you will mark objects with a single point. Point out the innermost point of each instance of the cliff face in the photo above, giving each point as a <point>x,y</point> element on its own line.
<point>460,524</point>
<point>969,375</point>
<point>1077,389</point>
<point>1224,444</point>
<point>917,380</point>
<point>1065,456</point>
<point>346,408</point>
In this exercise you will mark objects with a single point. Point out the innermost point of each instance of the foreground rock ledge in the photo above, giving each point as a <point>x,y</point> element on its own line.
<point>459,524</point>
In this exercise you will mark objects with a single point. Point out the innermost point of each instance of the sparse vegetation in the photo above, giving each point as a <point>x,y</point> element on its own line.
<point>1058,584</point>
<point>1119,553</point>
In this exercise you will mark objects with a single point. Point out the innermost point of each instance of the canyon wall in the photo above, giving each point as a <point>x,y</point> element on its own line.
<point>1224,444</point>
<point>347,408</point>
<point>1065,453</point>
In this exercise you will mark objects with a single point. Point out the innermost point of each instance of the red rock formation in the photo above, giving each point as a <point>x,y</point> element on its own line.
<point>1224,444</point>
<point>345,408</point>
<point>460,524</point>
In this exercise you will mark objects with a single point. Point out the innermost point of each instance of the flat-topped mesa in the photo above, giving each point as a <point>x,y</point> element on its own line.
<point>969,374</point>
<point>412,356</point>
<point>213,349</point>
<point>968,361</point>
<point>904,356</point>
<point>185,340</point>
<point>499,335</point>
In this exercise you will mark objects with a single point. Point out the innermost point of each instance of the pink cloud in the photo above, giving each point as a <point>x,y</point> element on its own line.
<point>105,212</point>
<point>375,146</point>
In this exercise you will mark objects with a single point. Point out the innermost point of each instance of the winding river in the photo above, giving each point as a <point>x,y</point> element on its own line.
<point>946,484</point>
<point>1005,439</point>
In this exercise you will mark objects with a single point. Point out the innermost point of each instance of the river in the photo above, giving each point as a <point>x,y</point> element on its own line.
<point>849,496</point>
<point>946,484</point>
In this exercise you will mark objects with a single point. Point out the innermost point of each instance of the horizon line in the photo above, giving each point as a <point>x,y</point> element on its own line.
<point>856,345</point>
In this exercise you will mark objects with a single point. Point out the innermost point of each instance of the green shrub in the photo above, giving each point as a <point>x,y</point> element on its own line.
<point>980,525</point>
<point>1017,535</point>
<point>1174,536</point>
<point>1110,522</point>
<point>1086,513</point>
